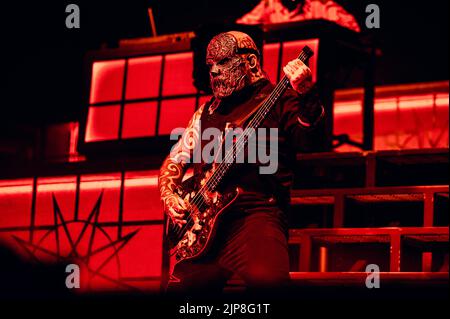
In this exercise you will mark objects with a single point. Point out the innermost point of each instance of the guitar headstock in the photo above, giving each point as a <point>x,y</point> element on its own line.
<point>305,54</point>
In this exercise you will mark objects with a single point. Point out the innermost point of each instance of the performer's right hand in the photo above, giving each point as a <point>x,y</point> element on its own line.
<point>175,207</point>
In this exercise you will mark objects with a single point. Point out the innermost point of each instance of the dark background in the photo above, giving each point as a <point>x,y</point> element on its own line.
<point>42,59</point>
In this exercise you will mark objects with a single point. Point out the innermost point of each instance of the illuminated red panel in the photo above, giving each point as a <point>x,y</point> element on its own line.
<point>103,123</point>
<point>101,269</point>
<point>292,49</point>
<point>74,156</point>
<point>270,60</point>
<point>386,116</point>
<point>107,81</point>
<point>139,119</point>
<point>416,112</point>
<point>91,186</point>
<point>141,196</point>
<point>15,202</point>
<point>8,241</point>
<point>151,285</point>
<point>143,77</point>
<point>178,74</point>
<point>142,256</point>
<point>54,242</point>
<point>175,113</point>
<point>401,122</point>
<point>203,99</point>
<point>414,121</point>
<point>64,189</point>
<point>441,116</point>
<point>104,259</point>
<point>348,119</point>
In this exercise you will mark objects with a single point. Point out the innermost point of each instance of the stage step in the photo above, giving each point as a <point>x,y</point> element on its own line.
<point>372,168</point>
<point>386,246</point>
<point>380,206</point>
<point>339,280</point>
<point>428,242</point>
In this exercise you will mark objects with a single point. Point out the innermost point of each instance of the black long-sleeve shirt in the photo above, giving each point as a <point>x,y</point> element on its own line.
<point>293,115</point>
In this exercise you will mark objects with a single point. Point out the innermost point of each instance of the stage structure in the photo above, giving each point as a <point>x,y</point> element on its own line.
<point>96,199</point>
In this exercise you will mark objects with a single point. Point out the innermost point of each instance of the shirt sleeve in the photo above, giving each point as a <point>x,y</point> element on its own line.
<point>179,159</point>
<point>299,115</point>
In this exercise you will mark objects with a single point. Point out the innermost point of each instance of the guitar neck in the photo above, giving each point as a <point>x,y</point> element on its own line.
<point>255,122</point>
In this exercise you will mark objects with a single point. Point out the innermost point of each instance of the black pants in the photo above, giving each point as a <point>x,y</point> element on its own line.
<point>251,244</point>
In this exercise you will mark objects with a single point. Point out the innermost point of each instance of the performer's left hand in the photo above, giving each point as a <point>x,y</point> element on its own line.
<point>299,75</point>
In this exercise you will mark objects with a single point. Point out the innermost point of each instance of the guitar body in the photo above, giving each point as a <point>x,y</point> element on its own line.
<point>192,240</point>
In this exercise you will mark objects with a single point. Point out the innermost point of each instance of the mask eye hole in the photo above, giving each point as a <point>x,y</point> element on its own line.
<point>223,61</point>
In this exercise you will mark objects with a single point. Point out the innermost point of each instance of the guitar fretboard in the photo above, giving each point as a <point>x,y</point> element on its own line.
<point>230,154</point>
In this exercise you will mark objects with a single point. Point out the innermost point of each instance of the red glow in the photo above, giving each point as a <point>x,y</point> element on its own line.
<point>270,60</point>
<point>137,264</point>
<point>142,257</point>
<point>15,202</point>
<point>441,100</point>
<point>63,188</point>
<point>178,74</point>
<point>394,103</point>
<point>16,186</point>
<point>103,123</point>
<point>292,49</point>
<point>139,119</point>
<point>203,99</point>
<point>175,113</point>
<point>141,196</point>
<point>110,272</point>
<point>323,260</point>
<point>74,131</point>
<point>100,249</point>
<point>107,81</point>
<point>91,186</point>
<point>7,239</point>
<point>406,121</point>
<point>143,77</point>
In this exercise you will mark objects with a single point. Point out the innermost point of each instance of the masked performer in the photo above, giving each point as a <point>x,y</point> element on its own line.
<point>251,240</point>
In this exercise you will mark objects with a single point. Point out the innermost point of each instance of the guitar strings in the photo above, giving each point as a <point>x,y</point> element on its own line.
<point>238,145</point>
<point>237,148</point>
<point>221,169</point>
<point>214,179</point>
<point>282,85</point>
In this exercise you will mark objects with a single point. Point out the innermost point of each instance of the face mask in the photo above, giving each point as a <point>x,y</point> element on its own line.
<point>228,71</point>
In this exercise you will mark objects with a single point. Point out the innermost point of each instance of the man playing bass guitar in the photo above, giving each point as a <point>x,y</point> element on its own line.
<point>250,239</point>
